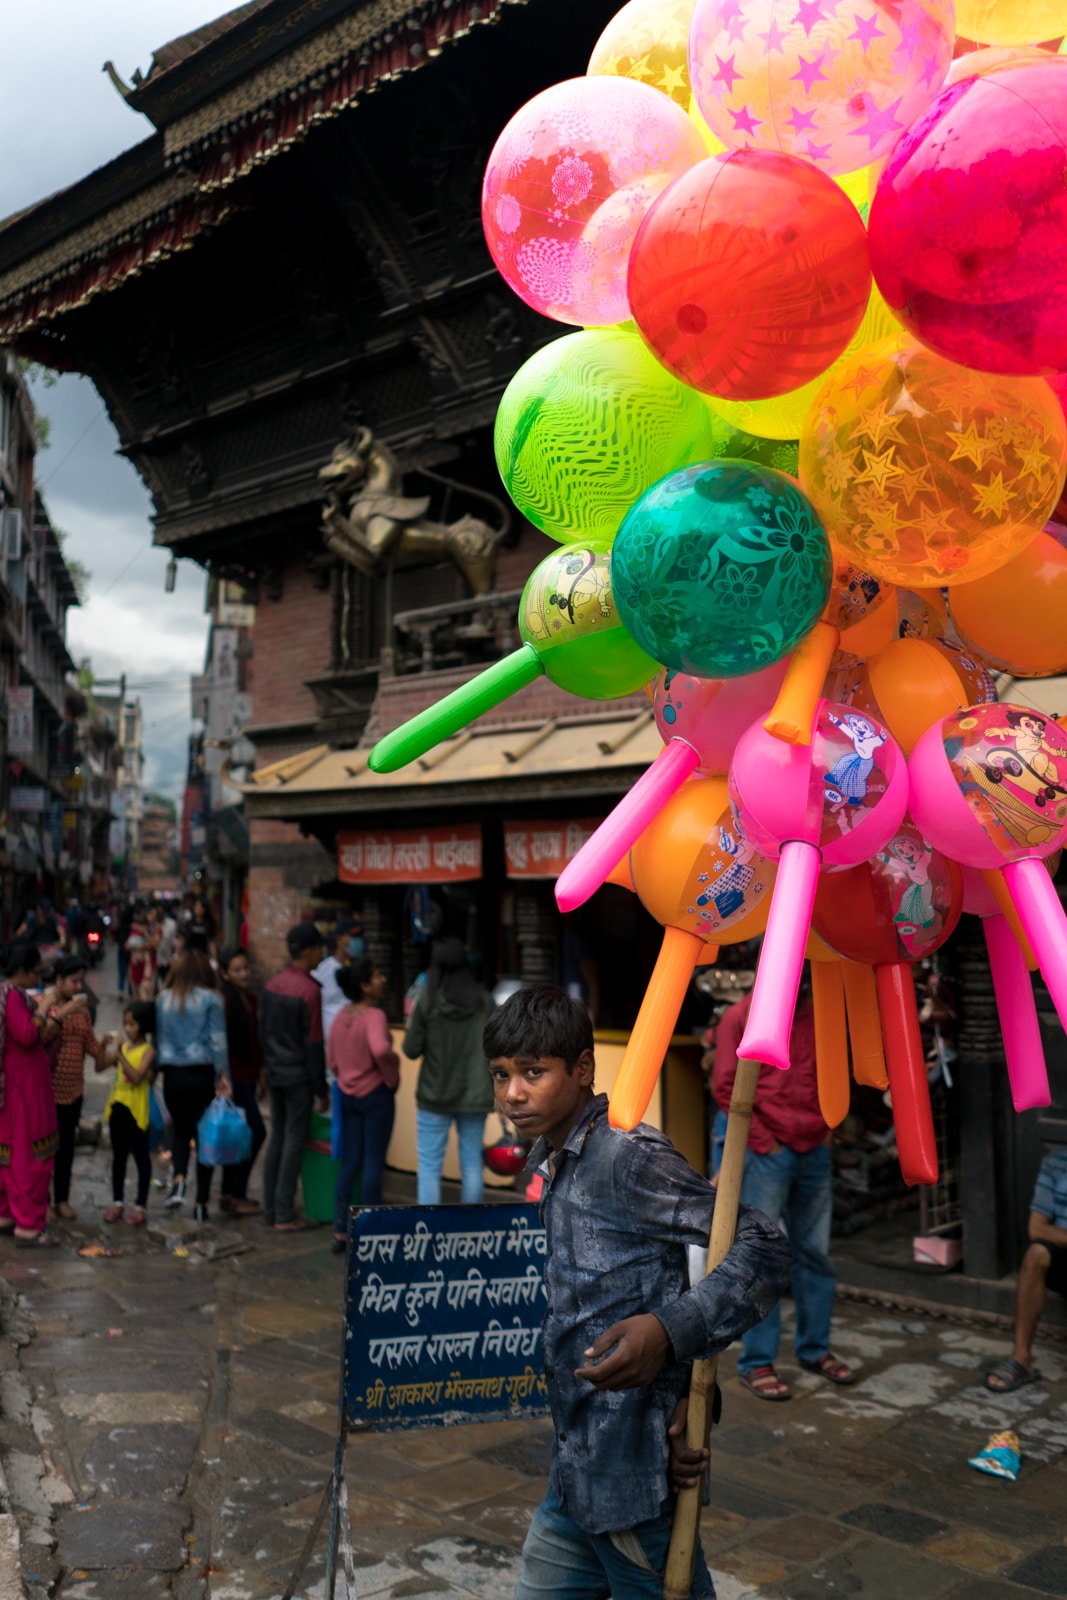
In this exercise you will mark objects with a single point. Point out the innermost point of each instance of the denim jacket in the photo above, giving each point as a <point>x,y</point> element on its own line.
<point>194,1036</point>
<point>620,1210</point>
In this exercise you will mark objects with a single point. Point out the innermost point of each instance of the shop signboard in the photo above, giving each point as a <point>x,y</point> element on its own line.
<point>410,855</point>
<point>543,849</point>
<point>444,1313</point>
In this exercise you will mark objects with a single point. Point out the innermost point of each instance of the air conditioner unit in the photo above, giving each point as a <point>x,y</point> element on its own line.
<point>11,535</point>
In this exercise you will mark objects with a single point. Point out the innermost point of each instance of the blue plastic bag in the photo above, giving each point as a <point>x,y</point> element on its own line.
<point>155,1120</point>
<point>223,1137</point>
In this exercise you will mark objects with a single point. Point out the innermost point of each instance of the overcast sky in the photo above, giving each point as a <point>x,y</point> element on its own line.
<point>60,118</point>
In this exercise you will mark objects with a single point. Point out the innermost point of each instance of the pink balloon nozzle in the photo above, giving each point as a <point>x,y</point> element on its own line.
<point>583,876</point>
<point>1023,1050</point>
<point>774,997</point>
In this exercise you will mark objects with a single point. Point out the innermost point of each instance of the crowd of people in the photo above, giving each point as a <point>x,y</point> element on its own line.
<point>314,1038</point>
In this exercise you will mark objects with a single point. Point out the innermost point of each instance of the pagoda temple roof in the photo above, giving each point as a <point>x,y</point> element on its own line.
<point>225,98</point>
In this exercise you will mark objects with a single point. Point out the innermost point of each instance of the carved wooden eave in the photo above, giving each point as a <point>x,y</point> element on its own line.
<point>272,106</point>
<point>246,95</point>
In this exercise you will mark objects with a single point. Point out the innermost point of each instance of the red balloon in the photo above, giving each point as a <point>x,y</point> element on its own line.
<point>750,274</point>
<point>900,906</point>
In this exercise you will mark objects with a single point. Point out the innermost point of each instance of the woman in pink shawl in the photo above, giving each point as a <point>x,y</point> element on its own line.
<point>28,1132</point>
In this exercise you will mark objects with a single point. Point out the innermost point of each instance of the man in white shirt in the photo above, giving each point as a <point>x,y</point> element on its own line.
<point>339,948</point>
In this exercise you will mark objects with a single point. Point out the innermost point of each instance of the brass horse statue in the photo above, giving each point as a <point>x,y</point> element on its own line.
<point>367,516</point>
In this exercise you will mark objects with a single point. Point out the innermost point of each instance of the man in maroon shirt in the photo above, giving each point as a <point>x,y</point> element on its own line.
<point>290,1035</point>
<point>788,1172</point>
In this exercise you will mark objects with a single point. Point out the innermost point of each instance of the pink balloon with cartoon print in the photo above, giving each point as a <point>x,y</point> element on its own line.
<point>700,721</point>
<point>832,803</point>
<point>1024,1053</point>
<point>568,184</point>
<point>989,787</point>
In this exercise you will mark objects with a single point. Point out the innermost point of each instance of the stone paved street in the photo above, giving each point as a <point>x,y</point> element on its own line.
<point>168,1419</point>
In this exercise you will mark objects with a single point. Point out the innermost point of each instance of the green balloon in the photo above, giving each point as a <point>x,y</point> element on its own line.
<point>722,569</point>
<point>567,614</point>
<point>587,425</point>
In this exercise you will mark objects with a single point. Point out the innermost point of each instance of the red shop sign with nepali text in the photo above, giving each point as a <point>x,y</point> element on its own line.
<point>410,855</point>
<point>542,849</point>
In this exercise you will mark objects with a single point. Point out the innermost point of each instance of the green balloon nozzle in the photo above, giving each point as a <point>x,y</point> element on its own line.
<point>570,632</point>
<point>471,700</point>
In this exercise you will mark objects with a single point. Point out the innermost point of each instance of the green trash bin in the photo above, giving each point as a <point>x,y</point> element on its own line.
<point>318,1172</point>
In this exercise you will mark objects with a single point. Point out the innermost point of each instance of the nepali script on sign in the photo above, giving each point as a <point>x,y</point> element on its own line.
<point>444,1313</point>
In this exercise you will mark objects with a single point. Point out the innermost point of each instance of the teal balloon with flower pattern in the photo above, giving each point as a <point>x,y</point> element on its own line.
<point>721,569</point>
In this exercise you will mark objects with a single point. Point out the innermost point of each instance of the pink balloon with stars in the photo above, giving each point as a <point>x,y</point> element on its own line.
<point>834,81</point>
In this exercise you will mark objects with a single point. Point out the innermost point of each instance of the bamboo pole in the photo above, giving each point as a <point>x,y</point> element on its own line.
<point>678,1577</point>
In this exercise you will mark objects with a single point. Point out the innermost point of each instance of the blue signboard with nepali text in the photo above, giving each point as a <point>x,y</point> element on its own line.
<point>443,1315</point>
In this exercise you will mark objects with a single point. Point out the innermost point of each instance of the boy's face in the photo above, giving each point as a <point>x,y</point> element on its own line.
<point>540,1096</point>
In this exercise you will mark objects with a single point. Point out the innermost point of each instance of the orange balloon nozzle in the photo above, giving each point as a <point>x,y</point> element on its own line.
<point>652,1031</point>
<point>793,713</point>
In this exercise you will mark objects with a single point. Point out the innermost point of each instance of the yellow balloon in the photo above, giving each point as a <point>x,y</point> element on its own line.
<point>1010,21</point>
<point>714,144</point>
<point>783,417</point>
<point>648,41</point>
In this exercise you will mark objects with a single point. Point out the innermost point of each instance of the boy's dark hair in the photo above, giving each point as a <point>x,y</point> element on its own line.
<point>350,979</point>
<point>541,1020</point>
<point>67,966</point>
<point>143,1013</point>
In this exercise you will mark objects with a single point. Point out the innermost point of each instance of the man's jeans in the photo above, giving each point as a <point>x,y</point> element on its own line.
<point>562,1562</point>
<point>290,1124</point>
<point>793,1189</point>
<point>432,1137</point>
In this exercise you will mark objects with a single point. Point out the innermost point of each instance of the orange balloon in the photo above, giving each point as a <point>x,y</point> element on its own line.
<point>694,870</point>
<point>831,1042</point>
<point>1015,619</point>
<point>913,684</point>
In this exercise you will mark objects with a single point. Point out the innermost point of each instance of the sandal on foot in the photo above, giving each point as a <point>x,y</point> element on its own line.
<point>765,1384</point>
<point>41,1240</point>
<point>339,1244</point>
<point>137,1217</point>
<point>1012,1374</point>
<point>829,1367</point>
<point>113,1213</point>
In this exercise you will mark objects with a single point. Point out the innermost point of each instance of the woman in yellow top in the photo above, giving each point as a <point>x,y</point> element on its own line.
<point>128,1107</point>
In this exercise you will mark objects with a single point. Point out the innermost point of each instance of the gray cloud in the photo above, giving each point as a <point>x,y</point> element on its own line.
<point>57,48</point>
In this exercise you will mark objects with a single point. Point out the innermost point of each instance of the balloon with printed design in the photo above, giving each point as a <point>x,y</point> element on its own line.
<point>1010,21</point>
<point>648,41</point>
<point>699,720</point>
<point>989,787</point>
<point>570,633</point>
<point>1016,617</point>
<point>749,275</point>
<point>589,423</point>
<point>894,909</point>
<point>832,803</point>
<point>928,473</point>
<point>914,683</point>
<point>697,874</point>
<point>834,81</point>
<point>968,227</point>
<point>566,187</point>
<point>721,569</point>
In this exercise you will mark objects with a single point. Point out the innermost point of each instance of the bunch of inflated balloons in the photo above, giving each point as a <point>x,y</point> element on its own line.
<point>803,459</point>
